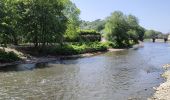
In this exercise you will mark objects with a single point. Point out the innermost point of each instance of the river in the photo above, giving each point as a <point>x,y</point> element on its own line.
<point>129,74</point>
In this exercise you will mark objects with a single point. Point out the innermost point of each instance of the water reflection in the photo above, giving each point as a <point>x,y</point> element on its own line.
<point>30,67</point>
<point>23,67</point>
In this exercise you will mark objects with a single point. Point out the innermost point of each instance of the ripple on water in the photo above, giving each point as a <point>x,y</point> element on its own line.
<point>122,75</point>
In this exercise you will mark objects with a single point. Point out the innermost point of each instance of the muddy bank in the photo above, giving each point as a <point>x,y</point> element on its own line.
<point>163,91</point>
<point>30,59</point>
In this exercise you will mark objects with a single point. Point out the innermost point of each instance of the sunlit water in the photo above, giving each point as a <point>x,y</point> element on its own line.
<point>123,75</point>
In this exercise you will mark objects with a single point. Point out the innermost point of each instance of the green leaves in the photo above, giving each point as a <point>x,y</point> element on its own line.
<point>43,21</point>
<point>121,29</point>
<point>72,14</point>
<point>37,21</point>
<point>8,57</point>
<point>153,34</point>
<point>97,25</point>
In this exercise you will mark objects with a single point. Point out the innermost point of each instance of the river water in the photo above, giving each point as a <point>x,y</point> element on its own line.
<point>129,74</point>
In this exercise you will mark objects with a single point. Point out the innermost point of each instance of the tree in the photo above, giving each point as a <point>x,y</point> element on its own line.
<point>116,29</point>
<point>97,25</point>
<point>42,21</point>
<point>138,31</point>
<point>152,34</point>
<point>141,33</point>
<point>3,36</point>
<point>121,29</point>
<point>133,35</point>
<point>11,21</point>
<point>72,13</point>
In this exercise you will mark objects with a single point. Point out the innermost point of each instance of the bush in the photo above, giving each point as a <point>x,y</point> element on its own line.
<point>89,36</point>
<point>109,44</point>
<point>79,48</point>
<point>73,48</point>
<point>88,32</point>
<point>85,36</point>
<point>8,57</point>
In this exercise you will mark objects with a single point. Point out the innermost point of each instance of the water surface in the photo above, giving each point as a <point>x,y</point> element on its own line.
<point>121,75</point>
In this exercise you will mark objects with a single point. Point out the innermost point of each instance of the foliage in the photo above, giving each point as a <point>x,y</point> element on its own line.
<point>153,34</point>
<point>3,36</point>
<point>97,25</point>
<point>135,30</point>
<point>116,28</point>
<point>8,57</point>
<point>79,48</point>
<point>43,21</point>
<point>11,22</point>
<point>68,49</point>
<point>88,32</point>
<point>72,13</point>
<point>109,44</point>
<point>86,36</point>
<point>89,36</point>
<point>35,21</point>
<point>121,29</point>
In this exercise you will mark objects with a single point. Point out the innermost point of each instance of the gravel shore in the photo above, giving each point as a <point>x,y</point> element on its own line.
<point>163,91</point>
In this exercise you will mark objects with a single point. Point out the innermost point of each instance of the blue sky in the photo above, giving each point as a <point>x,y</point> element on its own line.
<point>152,14</point>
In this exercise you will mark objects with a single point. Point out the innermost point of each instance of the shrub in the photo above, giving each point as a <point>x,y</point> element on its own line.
<point>79,48</point>
<point>85,36</point>
<point>89,36</point>
<point>88,32</point>
<point>8,57</point>
<point>73,48</point>
<point>109,44</point>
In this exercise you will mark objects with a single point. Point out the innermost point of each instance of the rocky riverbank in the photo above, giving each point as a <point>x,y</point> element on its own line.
<point>163,91</point>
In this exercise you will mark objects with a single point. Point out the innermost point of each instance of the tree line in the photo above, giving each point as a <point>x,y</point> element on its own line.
<point>37,21</point>
<point>123,30</point>
<point>45,22</point>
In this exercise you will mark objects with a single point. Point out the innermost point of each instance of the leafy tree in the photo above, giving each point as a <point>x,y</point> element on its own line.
<point>11,21</point>
<point>72,13</point>
<point>122,29</point>
<point>3,36</point>
<point>42,21</point>
<point>134,26</point>
<point>133,35</point>
<point>116,29</point>
<point>97,25</point>
<point>152,34</point>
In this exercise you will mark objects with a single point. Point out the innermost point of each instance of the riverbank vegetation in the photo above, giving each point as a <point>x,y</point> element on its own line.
<point>8,57</point>
<point>150,34</point>
<point>120,29</point>
<point>123,30</point>
<point>53,27</point>
<point>65,49</point>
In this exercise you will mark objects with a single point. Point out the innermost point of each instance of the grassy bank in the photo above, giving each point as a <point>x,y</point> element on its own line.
<point>65,49</point>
